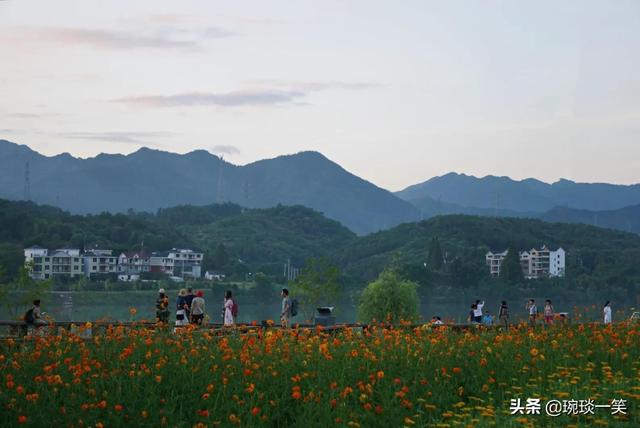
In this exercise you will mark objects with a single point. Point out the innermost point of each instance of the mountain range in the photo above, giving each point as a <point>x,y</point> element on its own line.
<point>148,180</point>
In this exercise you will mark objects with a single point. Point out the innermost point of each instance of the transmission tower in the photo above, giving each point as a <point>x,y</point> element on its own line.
<point>27,184</point>
<point>219,187</point>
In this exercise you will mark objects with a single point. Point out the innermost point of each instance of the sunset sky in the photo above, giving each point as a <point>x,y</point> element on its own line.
<point>395,92</point>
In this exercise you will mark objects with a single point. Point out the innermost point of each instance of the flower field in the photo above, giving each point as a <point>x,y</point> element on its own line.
<point>377,377</point>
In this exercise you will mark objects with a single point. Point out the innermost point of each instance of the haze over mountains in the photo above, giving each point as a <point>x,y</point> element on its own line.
<point>150,179</point>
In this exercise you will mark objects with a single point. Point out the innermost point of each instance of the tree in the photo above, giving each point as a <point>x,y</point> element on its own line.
<point>435,260</point>
<point>27,290</point>
<point>220,257</point>
<point>316,285</point>
<point>511,270</point>
<point>264,290</point>
<point>389,298</point>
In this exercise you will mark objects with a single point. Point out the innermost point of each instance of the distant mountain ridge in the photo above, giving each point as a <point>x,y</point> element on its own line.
<point>525,196</point>
<point>147,180</point>
<point>626,219</point>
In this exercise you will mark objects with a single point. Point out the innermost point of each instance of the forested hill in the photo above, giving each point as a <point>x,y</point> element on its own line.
<point>602,255</point>
<point>226,233</point>
<point>238,241</point>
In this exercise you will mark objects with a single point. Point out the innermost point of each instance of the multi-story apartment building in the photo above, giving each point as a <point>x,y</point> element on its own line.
<point>134,263</point>
<point>177,263</point>
<point>536,263</point>
<point>99,261</point>
<point>45,264</point>
<point>494,261</point>
<point>186,263</point>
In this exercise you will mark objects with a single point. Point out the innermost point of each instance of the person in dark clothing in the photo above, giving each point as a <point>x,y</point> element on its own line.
<point>162,307</point>
<point>503,314</point>
<point>188,299</point>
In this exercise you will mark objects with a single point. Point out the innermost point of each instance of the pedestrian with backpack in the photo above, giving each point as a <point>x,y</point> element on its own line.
<point>230,309</point>
<point>33,316</point>
<point>285,314</point>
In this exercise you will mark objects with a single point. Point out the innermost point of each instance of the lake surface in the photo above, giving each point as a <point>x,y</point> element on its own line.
<point>116,306</point>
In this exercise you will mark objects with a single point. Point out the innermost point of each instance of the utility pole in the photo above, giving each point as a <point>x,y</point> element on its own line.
<point>27,183</point>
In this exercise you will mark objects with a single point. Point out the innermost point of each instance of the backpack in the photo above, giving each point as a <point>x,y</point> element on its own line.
<point>28,316</point>
<point>294,307</point>
<point>234,309</point>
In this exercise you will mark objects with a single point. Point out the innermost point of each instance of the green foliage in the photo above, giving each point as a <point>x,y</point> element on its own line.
<point>26,291</point>
<point>435,260</point>
<point>389,298</point>
<point>317,285</point>
<point>264,289</point>
<point>511,270</point>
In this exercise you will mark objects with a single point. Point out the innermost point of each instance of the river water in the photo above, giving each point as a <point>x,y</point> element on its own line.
<point>117,305</point>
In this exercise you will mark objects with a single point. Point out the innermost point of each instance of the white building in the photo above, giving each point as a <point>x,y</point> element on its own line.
<point>186,263</point>
<point>45,264</point>
<point>536,263</point>
<point>214,276</point>
<point>98,262</point>
<point>494,261</point>
<point>134,263</point>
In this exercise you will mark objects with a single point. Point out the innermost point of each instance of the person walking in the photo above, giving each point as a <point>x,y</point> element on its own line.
<point>548,312</point>
<point>181,313</point>
<point>188,299</point>
<point>606,312</point>
<point>533,312</point>
<point>472,314</point>
<point>503,314</point>
<point>285,314</point>
<point>229,319</point>
<point>197,308</point>
<point>477,312</point>
<point>162,307</point>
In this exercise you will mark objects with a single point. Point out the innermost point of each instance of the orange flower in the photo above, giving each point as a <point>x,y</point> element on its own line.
<point>133,311</point>
<point>534,352</point>
<point>380,374</point>
<point>158,379</point>
<point>204,413</point>
<point>295,393</point>
<point>457,370</point>
<point>118,407</point>
<point>255,411</point>
<point>250,388</point>
<point>378,409</point>
<point>22,419</point>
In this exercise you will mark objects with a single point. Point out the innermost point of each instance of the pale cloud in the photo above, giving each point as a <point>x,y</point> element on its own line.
<point>264,93</point>
<point>225,149</point>
<point>224,99</point>
<point>313,86</point>
<point>118,137</point>
<point>168,38</point>
<point>22,115</point>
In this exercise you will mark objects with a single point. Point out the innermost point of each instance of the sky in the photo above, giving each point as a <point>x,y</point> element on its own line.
<point>395,92</point>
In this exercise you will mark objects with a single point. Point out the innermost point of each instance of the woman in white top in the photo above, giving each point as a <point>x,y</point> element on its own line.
<point>228,309</point>
<point>607,312</point>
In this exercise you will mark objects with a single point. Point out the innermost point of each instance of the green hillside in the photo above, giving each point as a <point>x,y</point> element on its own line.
<point>239,241</point>
<point>262,238</point>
